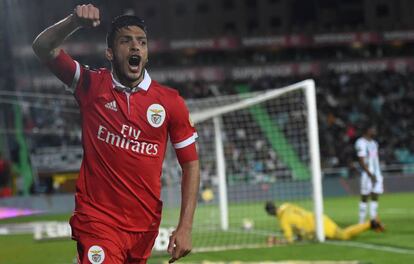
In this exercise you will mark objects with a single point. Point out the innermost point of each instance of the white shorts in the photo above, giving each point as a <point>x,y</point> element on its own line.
<point>367,187</point>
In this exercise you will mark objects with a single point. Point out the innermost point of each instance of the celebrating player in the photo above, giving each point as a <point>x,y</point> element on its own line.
<point>126,121</point>
<point>298,223</point>
<point>371,178</point>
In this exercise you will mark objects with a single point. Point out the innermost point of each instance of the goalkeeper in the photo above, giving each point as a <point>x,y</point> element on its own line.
<point>298,223</point>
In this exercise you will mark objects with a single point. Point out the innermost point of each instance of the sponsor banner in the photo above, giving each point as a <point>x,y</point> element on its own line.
<point>156,46</point>
<point>295,40</point>
<point>406,35</point>
<point>228,43</point>
<point>220,73</point>
<point>346,38</point>
<point>178,75</point>
<point>281,70</point>
<point>232,43</point>
<point>222,43</point>
<point>299,40</point>
<point>255,72</point>
<point>189,74</point>
<point>358,66</point>
<point>400,65</point>
<point>265,41</point>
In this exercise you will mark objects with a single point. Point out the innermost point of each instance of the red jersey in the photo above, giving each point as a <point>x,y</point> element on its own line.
<point>124,137</point>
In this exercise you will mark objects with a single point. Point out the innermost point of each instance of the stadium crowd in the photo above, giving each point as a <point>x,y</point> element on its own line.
<point>386,100</point>
<point>342,108</point>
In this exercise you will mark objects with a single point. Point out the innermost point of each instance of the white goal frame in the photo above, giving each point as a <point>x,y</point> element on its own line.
<point>308,86</point>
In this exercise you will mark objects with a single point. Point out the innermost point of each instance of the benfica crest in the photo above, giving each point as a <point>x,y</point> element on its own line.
<point>156,115</point>
<point>96,254</point>
<point>96,257</point>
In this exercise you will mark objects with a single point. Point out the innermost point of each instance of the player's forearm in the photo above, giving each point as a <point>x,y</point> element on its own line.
<point>287,230</point>
<point>288,235</point>
<point>47,42</point>
<point>364,166</point>
<point>189,193</point>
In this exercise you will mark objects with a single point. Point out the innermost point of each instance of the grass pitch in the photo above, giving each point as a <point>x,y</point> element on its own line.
<point>396,245</point>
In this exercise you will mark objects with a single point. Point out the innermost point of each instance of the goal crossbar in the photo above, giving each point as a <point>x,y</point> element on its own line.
<point>206,114</point>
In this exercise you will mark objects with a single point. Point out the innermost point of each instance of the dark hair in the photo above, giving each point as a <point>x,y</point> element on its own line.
<point>270,206</point>
<point>120,22</point>
<point>367,126</point>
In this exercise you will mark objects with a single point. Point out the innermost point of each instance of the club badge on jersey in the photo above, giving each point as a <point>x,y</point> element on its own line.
<point>96,254</point>
<point>156,115</point>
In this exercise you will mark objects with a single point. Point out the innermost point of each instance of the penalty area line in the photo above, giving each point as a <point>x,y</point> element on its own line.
<point>372,247</point>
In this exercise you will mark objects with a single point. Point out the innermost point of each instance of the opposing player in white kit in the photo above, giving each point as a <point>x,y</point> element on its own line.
<point>371,177</point>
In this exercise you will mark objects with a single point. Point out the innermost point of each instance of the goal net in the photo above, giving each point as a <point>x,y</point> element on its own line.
<point>253,148</point>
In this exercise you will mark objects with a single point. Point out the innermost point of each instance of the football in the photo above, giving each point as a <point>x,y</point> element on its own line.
<point>248,224</point>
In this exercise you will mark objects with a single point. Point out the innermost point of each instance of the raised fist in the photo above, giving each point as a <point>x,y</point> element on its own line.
<point>87,15</point>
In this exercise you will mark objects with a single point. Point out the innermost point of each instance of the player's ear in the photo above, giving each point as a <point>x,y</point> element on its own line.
<point>109,54</point>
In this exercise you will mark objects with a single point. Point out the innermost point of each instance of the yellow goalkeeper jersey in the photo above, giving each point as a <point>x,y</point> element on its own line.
<point>296,222</point>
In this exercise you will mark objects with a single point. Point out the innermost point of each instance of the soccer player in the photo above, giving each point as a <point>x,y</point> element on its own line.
<point>371,178</point>
<point>298,223</point>
<point>126,120</point>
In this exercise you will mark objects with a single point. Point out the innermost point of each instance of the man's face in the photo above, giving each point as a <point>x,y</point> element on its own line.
<point>129,54</point>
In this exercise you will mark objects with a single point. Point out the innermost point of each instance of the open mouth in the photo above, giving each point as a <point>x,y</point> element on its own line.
<point>134,60</point>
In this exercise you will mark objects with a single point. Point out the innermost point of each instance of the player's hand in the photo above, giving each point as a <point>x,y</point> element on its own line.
<point>180,244</point>
<point>86,15</point>
<point>282,241</point>
<point>273,240</point>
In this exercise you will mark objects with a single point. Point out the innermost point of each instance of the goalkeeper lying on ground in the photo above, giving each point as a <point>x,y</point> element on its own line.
<point>298,223</point>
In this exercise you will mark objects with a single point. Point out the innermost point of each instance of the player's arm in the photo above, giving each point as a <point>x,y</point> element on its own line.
<point>180,241</point>
<point>183,135</point>
<point>287,229</point>
<point>46,45</point>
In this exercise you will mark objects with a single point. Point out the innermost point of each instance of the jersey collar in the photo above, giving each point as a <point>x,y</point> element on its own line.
<point>144,84</point>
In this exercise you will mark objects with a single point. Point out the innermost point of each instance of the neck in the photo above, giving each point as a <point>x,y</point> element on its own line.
<point>126,82</point>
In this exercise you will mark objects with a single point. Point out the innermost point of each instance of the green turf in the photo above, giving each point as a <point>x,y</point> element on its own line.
<point>396,212</point>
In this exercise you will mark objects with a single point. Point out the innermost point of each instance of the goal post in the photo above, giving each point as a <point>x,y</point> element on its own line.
<point>221,174</point>
<point>315,161</point>
<point>253,147</point>
<point>308,87</point>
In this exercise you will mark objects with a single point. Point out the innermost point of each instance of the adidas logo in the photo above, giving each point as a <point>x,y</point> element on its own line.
<point>111,105</point>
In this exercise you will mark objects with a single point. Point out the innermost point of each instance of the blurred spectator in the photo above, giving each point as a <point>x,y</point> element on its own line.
<point>5,177</point>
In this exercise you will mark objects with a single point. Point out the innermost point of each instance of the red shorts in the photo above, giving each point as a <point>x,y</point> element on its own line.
<point>101,243</point>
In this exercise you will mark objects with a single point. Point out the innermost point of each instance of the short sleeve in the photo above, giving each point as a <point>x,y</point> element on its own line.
<point>67,70</point>
<point>360,148</point>
<point>181,128</point>
<point>76,77</point>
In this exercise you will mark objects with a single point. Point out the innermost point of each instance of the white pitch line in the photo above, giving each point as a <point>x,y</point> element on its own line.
<point>223,248</point>
<point>397,211</point>
<point>372,246</point>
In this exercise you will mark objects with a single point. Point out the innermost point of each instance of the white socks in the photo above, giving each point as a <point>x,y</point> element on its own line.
<point>373,209</point>
<point>362,212</point>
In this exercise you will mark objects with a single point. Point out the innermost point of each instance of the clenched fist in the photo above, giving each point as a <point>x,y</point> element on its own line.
<point>87,15</point>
